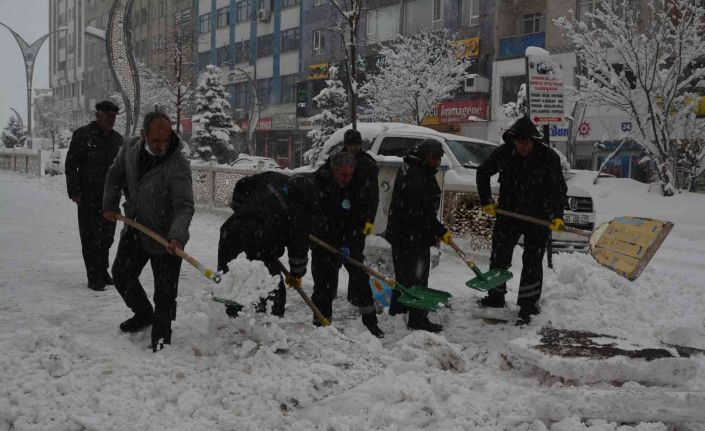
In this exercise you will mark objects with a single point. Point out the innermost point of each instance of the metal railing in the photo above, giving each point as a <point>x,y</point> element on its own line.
<point>22,160</point>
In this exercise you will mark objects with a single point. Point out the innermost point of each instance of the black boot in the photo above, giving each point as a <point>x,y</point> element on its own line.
<point>106,278</point>
<point>370,322</point>
<point>161,335</point>
<point>491,301</point>
<point>278,298</point>
<point>525,313</point>
<point>95,282</point>
<point>136,322</point>
<point>418,320</point>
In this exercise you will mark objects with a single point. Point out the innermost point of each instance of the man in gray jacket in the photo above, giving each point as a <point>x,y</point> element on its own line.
<point>158,190</point>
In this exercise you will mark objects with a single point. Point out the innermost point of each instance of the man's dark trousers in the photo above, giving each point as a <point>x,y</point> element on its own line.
<point>97,236</point>
<point>412,266</point>
<point>129,262</point>
<point>504,238</point>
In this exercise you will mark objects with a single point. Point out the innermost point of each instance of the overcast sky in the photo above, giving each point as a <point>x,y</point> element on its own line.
<point>29,18</point>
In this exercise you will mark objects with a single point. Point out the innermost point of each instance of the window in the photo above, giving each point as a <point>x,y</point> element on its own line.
<point>317,42</point>
<point>264,87</point>
<point>510,87</point>
<point>143,15</point>
<point>204,59</point>
<point>469,12</point>
<point>205,23</point>
<point>264,45</point>
<point>290,40</point>
<point>585,7</point>
<point>437,10</point>
<point>317,3</point>
<point>288,88</point>
<point>161,8</point>
<point>393,146</point>
<point>289,3</point>
<point>242,52</point>
<point>243,96</point>
<point>155,13</point>
<point>533,23</point>
<point>371,26</point>
<point>223,17</point>
<point>183,17</point>
<point>244,10</point>
<point>222,54</point>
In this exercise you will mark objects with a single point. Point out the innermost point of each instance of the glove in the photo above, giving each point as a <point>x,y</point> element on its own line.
<point>367,229</point>
<point>490,209</point>
<point>557,225</point>
<point>446,237</point>
<point>344,252</point>
<point>292,281</point>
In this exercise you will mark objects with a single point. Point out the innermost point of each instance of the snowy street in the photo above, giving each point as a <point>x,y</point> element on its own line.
<point>64,364</point>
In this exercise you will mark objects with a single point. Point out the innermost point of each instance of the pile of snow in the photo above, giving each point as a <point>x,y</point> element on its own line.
<point>64,364</point>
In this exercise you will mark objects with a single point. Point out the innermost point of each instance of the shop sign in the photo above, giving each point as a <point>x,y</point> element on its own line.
<point>470,47</point>
<point>283,121</point>
<point>456,111</point>
<point>318,71</point>
<point>545,90</point>
<point>263,124</point>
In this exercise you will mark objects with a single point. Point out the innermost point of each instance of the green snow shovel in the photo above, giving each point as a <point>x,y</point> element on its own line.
<point>417,297</point>
<point>485,280</point>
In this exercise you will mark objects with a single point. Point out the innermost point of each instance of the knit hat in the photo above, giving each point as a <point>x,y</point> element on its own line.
<point>522,129</point>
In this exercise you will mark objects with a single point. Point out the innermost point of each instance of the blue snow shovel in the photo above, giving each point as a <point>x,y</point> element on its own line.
<point>485,280</point>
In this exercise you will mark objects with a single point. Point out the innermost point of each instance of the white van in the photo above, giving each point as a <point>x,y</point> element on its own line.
<point>389,141</point>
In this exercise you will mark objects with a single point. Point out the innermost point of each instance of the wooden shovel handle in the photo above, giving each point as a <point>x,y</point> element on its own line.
<point>352,261</point>
<point>461,253</point>
<point>208,273</point>
<point>316,312</point>
<point>541,222</point>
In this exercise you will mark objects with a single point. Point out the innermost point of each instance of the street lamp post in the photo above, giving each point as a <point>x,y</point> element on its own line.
<point>29,54</point>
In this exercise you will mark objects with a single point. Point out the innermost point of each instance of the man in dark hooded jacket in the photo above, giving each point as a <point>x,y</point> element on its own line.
<point>358,224</point>
<point>413,227</point>
<point>531,182</point>
<point>273,211</point>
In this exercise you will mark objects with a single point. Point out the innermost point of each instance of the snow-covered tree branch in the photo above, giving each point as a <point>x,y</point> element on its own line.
<point>648,66</point>
<point>418,72</point>
<point>350,12</point>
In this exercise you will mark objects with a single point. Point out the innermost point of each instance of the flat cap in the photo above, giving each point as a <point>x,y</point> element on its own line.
<point>107,106</point>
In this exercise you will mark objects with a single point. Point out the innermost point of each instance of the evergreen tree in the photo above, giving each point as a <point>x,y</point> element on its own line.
<point>13,135</point>
<point>332,101</point>
<point>212,124</point>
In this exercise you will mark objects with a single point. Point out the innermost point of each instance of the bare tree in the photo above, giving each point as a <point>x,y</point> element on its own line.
<point>647,66</point>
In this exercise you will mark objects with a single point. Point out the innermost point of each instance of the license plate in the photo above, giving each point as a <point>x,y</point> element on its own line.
<point>572,219</point>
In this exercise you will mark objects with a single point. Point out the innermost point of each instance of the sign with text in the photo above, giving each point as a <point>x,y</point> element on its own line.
<point>545,96</point>
<point>263,124</point>
<point>456,111</point>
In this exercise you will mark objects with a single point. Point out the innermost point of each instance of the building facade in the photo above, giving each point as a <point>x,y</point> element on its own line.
<point>66,53</point>
<point>256,43</point>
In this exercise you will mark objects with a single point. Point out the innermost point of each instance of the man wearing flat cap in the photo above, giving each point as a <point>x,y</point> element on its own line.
<point>91,152</point>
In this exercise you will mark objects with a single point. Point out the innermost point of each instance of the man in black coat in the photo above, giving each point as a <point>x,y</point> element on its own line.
<point>531,182</point>
<point>91,152</point>
<point>273,211</point>
<point>357,223</point>
<point>413,227</point>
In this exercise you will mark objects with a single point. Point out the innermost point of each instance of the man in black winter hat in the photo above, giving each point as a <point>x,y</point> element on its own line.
<point>531,182</point>
<point>413,227</point>
<point>91,152</point>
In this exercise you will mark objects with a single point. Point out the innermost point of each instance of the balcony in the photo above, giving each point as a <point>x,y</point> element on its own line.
<point>514,47</point>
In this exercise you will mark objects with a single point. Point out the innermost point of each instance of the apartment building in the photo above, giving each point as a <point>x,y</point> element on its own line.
<point>256,44</point>
<point>66,53</point>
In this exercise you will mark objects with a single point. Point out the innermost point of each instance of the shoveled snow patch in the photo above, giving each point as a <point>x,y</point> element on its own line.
<point>590,370</point>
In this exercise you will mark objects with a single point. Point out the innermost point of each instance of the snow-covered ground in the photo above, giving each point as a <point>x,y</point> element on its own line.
<point>64,365</point>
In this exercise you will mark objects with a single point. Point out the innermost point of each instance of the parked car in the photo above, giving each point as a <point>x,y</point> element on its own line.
<point>55,164</point>
<point>246,161</point>
<point>462,157</point>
